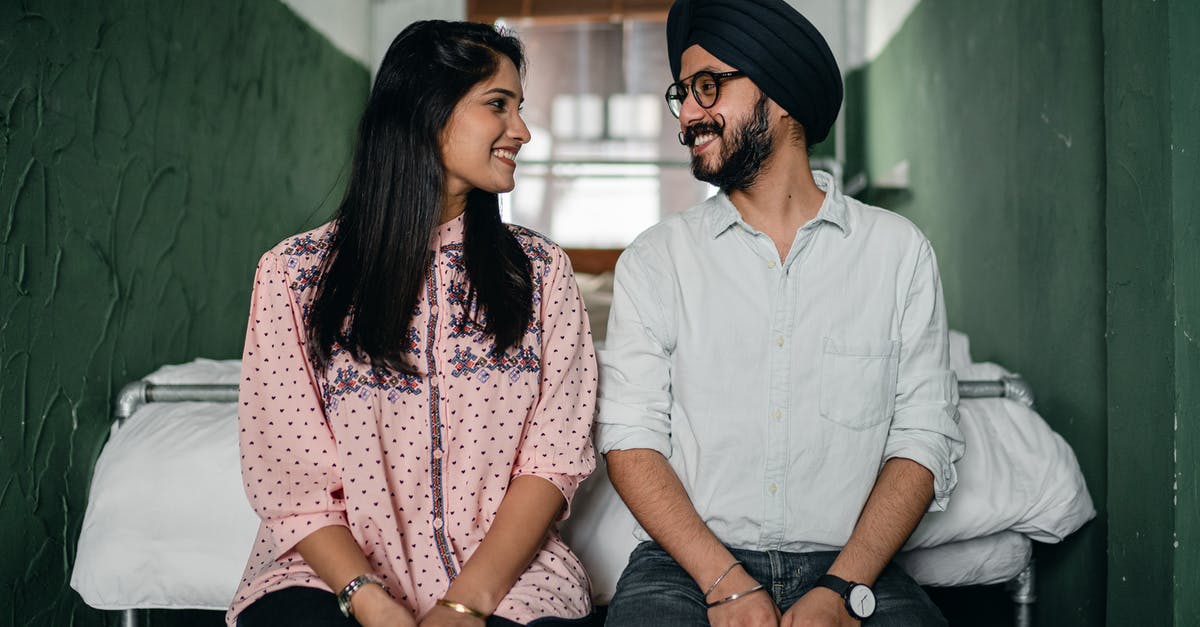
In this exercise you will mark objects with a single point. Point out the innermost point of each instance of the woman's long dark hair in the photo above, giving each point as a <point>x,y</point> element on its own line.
<point>379,252</point>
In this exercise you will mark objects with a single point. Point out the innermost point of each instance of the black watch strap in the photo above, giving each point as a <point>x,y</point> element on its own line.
<point>835,583</point>
<point>844,588</point>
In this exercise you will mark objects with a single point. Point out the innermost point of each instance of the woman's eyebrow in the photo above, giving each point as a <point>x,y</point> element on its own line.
<point>503,91</point>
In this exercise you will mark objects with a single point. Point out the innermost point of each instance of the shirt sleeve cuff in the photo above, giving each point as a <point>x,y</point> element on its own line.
<point>567,484</point>
<point>622,437</point>
<point>936,453</point>
<point>286,533</point>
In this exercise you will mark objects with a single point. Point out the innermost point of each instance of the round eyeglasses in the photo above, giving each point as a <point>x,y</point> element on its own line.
<point>705,87</point>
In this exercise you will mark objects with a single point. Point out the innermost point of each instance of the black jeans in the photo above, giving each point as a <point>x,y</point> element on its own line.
<point>310,607</point>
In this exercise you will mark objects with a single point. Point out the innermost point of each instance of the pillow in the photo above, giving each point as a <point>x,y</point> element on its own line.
<point>199,371</point>
<point>1016,473</point>
<point>982,561</point>
<point>167,523</point>
<point>596,291</point>
<point>960,351</point>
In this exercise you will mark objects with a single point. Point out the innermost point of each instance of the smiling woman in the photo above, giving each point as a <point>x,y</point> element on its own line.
<point>483,137</point>
<point>435,369</point>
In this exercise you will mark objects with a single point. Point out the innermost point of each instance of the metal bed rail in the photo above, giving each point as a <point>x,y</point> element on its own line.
<point>134,395</point>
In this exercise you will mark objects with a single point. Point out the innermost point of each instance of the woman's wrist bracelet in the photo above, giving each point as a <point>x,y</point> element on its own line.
<point>462,609</point>
<point>343,597</point>
<point>735,596</point>
<point>716,583</point>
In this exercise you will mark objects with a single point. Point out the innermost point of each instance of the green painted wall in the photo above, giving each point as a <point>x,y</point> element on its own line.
<point>149,151</point>
<point>1153,118</point>
<point>1141,337</point>
<point>1185,193</point>
<point>998,109</point>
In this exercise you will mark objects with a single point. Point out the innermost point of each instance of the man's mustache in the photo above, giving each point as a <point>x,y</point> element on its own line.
<point>688,135</point>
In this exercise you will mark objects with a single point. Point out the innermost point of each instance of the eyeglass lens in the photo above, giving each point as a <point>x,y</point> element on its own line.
<point>704,87</point>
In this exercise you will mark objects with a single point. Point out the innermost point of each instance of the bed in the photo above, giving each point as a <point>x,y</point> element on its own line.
<point>175,436</point>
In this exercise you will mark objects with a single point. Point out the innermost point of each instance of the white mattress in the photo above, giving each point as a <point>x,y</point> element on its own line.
<point>168,524</point>
<point>992,559</point>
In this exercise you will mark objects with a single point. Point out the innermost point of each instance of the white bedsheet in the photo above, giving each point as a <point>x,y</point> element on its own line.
<point>997,558</point>
<point>168,524</point>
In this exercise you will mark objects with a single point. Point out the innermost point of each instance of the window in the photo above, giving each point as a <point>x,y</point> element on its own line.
<point>604,163</point>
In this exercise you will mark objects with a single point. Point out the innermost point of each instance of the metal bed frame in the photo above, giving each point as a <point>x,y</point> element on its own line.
<point>134,395</point>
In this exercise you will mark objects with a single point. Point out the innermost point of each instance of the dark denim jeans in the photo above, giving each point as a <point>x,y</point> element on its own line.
<point>655,591</point>
<point>310,607</point>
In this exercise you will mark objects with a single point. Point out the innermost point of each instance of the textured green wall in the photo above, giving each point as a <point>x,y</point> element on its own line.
<point>151,149</point>
<point>998,108</point>
<point>1153,119</point>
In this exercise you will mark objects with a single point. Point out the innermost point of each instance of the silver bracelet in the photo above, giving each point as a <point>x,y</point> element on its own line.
<point>736,596</point>
<point>716,583</point>
<point>343,597</point>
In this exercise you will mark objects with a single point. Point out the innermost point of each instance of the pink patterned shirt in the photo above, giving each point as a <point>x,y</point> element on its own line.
<point>414,465</point>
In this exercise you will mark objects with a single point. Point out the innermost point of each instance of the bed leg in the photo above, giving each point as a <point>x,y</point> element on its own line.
<point>1021,591</point>
<point>129,618</point>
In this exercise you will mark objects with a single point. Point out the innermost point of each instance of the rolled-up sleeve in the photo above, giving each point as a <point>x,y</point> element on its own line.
<point>288,453</point>
<point>925,424</point>
<point>557,441</point>
<point>635,366</point>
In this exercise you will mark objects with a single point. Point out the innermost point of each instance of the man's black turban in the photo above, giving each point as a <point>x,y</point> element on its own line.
<point>774,45</point>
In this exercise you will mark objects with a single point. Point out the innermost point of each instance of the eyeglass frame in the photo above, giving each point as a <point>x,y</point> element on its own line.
<point>674,90</point>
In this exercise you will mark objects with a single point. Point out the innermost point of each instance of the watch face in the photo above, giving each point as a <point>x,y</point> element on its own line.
<point>861,601</point>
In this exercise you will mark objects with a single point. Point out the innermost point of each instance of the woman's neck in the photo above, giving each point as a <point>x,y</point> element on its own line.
<point>453,206</point>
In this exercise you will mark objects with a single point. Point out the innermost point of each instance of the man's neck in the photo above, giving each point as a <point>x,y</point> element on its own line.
<point>784,198</point>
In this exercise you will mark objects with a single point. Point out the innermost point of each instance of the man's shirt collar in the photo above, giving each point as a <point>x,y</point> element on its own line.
<point>722,214</point>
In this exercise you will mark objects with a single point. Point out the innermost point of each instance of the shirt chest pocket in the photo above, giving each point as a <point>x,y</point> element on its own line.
<point>858,382</point>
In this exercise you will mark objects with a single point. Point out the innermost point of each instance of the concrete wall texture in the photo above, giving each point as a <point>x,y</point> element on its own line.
<point>149,151</point>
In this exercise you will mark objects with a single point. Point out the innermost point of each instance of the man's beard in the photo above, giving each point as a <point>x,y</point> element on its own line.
<point>743,153</point>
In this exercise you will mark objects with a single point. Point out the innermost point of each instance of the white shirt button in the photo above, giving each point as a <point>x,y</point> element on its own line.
<point>778,414</point>
<point>433,310</point>
<point>437,453</point>
<point>437,523</point>
<point>770,264</point>
<point>772,488</point>
<point>779,341</point>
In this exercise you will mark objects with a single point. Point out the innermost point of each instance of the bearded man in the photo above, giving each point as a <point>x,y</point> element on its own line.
<point>777,408</point>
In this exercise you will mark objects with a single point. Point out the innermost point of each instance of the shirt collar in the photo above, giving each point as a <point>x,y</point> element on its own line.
<point>722,214</point>
<point>448,232</point>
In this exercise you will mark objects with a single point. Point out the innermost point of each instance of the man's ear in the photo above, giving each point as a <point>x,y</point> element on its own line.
<point>799,137</point>
<point>777,112</point>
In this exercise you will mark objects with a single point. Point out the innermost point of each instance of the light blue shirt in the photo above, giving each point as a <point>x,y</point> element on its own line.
<point>777,390</point>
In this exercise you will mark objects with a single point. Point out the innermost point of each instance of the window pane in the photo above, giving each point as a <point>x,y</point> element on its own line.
<point>604,163</point>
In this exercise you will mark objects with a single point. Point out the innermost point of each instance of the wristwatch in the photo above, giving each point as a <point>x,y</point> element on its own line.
<point>343,597</point>
<point>860,601</point>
